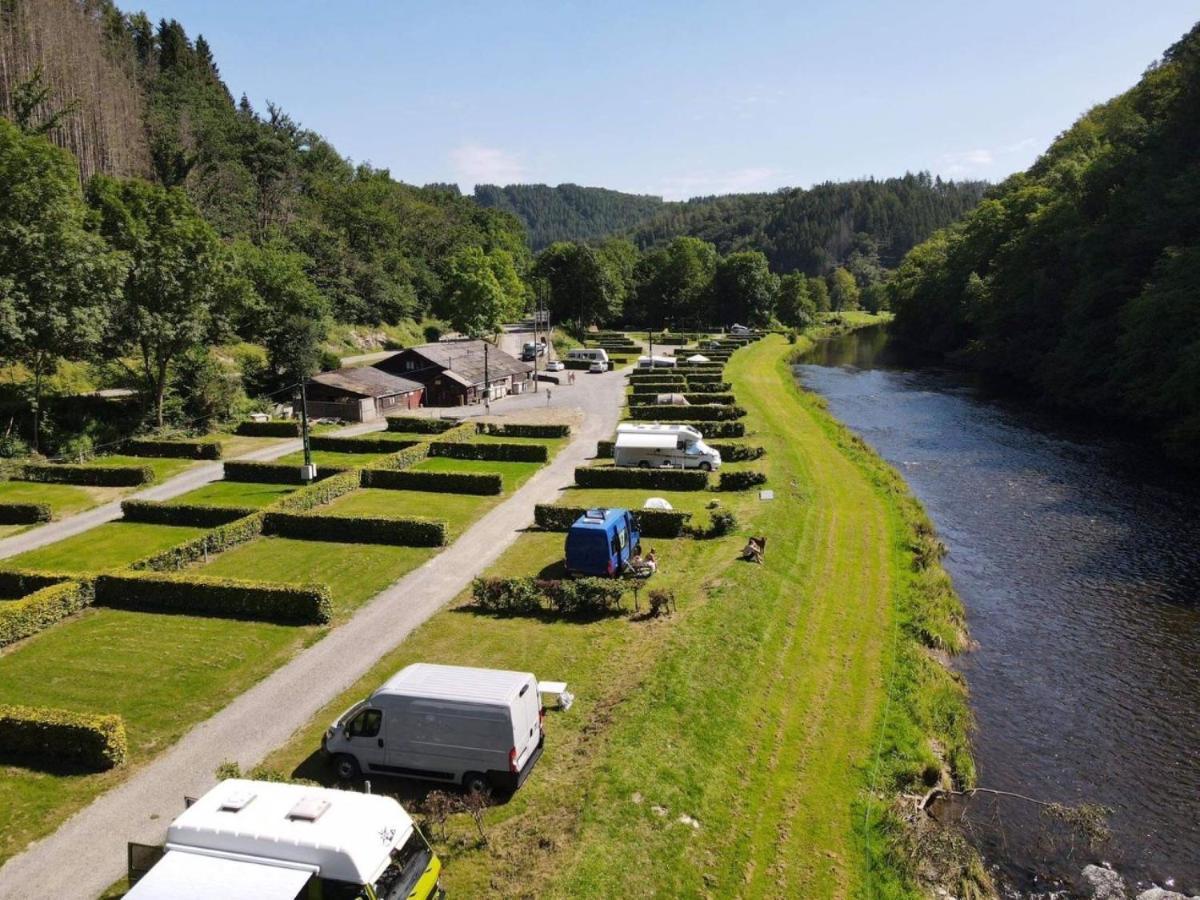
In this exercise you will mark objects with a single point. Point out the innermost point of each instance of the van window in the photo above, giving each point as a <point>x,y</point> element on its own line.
<point>365,724</point>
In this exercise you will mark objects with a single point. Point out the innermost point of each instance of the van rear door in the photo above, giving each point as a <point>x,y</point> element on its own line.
<point>526,721</point>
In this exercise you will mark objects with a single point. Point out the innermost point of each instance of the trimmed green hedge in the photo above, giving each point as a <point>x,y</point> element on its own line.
<point>44,735</point>
<point>319,494</point>
<point>407,457</point>
<point>335,444</point>
<point>273,473</point>
<point>194,515</point>
<point>174,449</point>
<point>201,547</point>
<point>604,449</point>
<point>703,398</point>
<point>700,413</point>
<point>517,429</point>
<point>650,479</point>
<point>41,609</point>
<point>357,529</point>
<point>491,452</point>
<point>87,476</point>
<point>582,365</point>
<point>482,483</point>
<point>16,583</point>
<point>651,523</point>
<point>284,428</point>
<point>731,452</point>
<point>25,513</point>
<point>580,597</point>
<point>231,598</point>
<point>414,425</point>
<point>656,387</point>
<point>708,387</point>
<point>707,378</point>
<point>740,481</point>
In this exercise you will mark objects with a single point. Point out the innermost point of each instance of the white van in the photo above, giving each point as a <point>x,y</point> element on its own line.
<point>273,841</point>
<point>659,446</point>
<point>589,354</point>
<point>656,362</point>
<point>481,728</point>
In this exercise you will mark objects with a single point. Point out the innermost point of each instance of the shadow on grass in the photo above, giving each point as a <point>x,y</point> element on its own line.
<point>47,765</point>
<point>411,792</point>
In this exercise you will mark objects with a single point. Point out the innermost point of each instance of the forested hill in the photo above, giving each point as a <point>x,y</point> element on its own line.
<point>1081,276</point>
<point>568,212</point>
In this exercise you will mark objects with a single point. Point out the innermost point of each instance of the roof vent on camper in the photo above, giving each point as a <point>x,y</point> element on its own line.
<point>598,512</point>
<point>308,809</point>
<point>236,802</point>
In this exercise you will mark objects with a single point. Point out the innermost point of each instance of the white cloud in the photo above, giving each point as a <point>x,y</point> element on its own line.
<point>735,181</point>
<point>475,164</point>
<point>980,161</point>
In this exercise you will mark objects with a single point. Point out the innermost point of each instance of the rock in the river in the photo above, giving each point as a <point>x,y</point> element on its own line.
<point>1105,883</point>
<point>1157,893</point>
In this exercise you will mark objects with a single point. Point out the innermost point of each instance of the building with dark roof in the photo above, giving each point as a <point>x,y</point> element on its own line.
<point>361,394</point>
<point>456,373</point>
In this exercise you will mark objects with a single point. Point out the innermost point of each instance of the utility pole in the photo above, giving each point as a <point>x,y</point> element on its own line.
<point>487,384</point>
<point>309,472</point>
<point>650,335</point>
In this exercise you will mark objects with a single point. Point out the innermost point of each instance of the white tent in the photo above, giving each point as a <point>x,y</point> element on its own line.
<point>657,503</point>
<point>698,358</point>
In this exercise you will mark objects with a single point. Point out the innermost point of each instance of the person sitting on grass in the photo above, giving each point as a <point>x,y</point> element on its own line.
<point>755,550</point>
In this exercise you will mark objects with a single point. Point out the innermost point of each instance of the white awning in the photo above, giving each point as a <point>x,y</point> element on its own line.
<point>194,876</point>
<point>698,358</point>
<point>647,441</point>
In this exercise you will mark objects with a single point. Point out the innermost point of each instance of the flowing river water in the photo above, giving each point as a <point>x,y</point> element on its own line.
<point>1078,559</point>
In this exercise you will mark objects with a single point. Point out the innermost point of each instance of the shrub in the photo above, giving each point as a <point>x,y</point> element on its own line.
<point>706,413</point>
<point>740,481</point>
<point>407,457</point>
<point>16,583</point>
<point>318,494</point>
<point>62,736</point>
<point>194,515</point>
<point>704,398</point>
<point>283,428</point>
<point>731,452</point>
<point>519,429</point>
<point>698,378</point>
<point>723,522</point>
<point>654,523</point>
<point>583,596</point>
<point>716,429</point>
<point>650,479</point>
<point>174,449</point>
<point>707,386</point>
<point>273,473</point>
<point>482,483</point>
<point>41,609</point>
<point>491,452</point>
<point>287,604</point>
<point>414,425</point>
<point>336,444</point>
<point>215,541</point>
<point>645,388</point>
<point>510,596</point>
<point>87,476</point>
<point>357,529</point>
<point>24,513</point>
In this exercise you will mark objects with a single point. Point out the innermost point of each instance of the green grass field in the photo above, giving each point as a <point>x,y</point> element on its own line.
<point>456,510</point>
<point>330,458</point>
<point>514,474</point>
<point>164,468</point>
<point>235,493</point>
<point>63,499</point>
<point>104,548</point>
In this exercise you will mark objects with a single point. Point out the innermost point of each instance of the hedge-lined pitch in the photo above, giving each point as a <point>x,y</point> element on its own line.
<point>61,736</point>
<point>85,475</point>
<point>287,604</point>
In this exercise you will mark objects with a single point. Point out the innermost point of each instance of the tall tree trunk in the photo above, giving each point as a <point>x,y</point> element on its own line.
<point>160,391</point>
<point>37,402</point>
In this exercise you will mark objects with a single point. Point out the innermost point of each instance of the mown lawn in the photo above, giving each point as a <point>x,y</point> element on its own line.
<point>235,493</point>
<point>330,458</point>
<point>164,468</point>
<point>63,499</point>
<point>456,510</point>
<point>110,546</point>
<point>514,474</point>
<point>163,673</point>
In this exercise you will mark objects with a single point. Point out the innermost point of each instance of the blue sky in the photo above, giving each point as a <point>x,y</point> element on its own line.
<point>683,98</point>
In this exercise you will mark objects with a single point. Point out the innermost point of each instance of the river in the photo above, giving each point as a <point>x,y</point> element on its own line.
<point>1078,559</point>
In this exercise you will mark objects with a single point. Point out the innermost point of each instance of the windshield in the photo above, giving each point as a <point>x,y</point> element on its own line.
<point>408,865</point>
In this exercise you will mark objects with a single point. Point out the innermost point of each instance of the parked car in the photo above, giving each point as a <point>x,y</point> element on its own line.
<point>532,350</point>
<point>596,367</point>
<point>481,728</point>
<point>555,365</point>
<point>601,542</point>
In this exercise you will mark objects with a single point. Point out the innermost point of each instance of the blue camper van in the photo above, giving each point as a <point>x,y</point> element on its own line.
<point>601,542</point>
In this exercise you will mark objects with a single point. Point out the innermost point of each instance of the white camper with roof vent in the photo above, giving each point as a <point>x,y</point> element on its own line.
<point>659,446</point>
<point>481,728</point>
<point>258,840</point>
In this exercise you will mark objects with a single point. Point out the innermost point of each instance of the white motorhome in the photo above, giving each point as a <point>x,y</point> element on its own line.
<point>657,446</point>
<point>589,354</point>
<point>656,362</point>
<point>481,728</point>
<point>270,841</point>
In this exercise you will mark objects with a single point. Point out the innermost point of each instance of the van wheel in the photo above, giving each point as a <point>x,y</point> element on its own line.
<point>705,467</point>
<point>643,465</point>
<point>476,783</point>
<point>345,767</point>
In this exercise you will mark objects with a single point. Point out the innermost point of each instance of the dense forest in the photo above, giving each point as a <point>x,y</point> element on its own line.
<point>568,212</point>
<point>1080,278</point>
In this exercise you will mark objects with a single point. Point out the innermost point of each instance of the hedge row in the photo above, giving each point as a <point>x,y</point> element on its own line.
<point>87,476</point>
<point>61,736</point>
<point>286,604</point>
<point>708,387</point>
<point>357,529</point>
<point>320,493</point>
<point>336,444</point>
<point>16,583</point>
<point>740,481</point>
<point>492,452</point>
<point>582,365</point>
<point>707,378</point>
<point>405,458</point>
<point>25,513</point>
<point>414,425</point>
<point>517,429</point>
<point>273,473</point>
<point>716,429</point>
<point>699,413</point>
<point>41,609</point>
<point>283,428</point>
<point>174,449</point>
<point>604,449</point>
<point>706,398</point>
<point>581,597</point>
<point>202,546</point>
<point>638,388</point>
<point>482,483</point>
<point>731,452</point>
<point>190,514</point>
<point>651,479</point>
<point>653,523</point>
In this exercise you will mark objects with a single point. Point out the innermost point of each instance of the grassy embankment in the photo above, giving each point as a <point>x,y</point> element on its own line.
<point>755,710</point>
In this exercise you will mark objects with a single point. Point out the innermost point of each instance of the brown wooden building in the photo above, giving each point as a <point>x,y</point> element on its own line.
<point>457,373</point>
<point>361,394</point>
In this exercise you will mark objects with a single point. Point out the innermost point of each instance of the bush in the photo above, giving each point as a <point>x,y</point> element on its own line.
<point>492,452</point>
<point>216,541</point>
<point>707,386</point>
<point>583,597</point>
<point>174,449</point>
<point>62,736</point>
<point>508,596</point>
<point>647,388</point>
<point>24,513</point>
<point>405,458</point>
<point>699,378</point>
<point>274,473</point>
<point>651,523</point>
<point>336,444</point>
<point>716,429</point>
<point>707,413</point>
<point>87,476</point>
<point>517,429</point>
<point>703,398</point>
<point>17,583</point>
<point>41,609</point>
<point>281,428</point>
<point>723,522</point>
<point>319,494</point>
<point>482,483</point>
<point>414,425</point>
<point>583,365</point>
<point>357,529</point>
<point>737,452</point>
<point>194,515</point>
<point>646,479</point>
<point>740,481</point>
<point>192,594</point>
